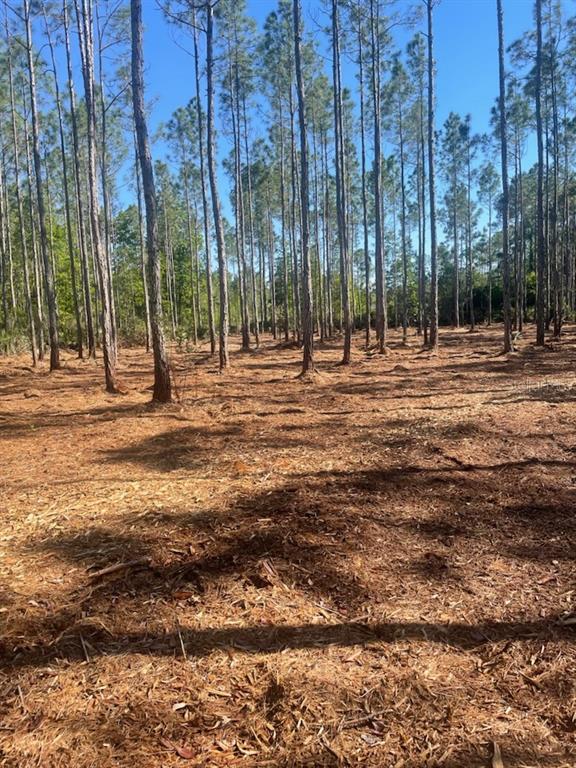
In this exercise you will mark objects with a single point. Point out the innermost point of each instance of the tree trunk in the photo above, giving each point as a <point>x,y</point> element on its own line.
<point>49,282</point>
<point>455,254</point>
<point>490,260</point>
<point>296,303</point>
<point>558,288</point>
<point>219,229</point>
<point>192,245</point>
<point>422,196</point>
<point>106,213</point>
<point>307,327</point>
<point>505,189</point>
<point>271,271</point>
<point>87,55</point>
<point>381,310</point>
<point>283,227</point>
<point>320,281</point>
<point>162,385</point>
<point>239,210</point>
<point>85,271</point>
<point>341,198</point>
<point>20,207</point>
<point>403,230</point>
<point>142,244</point>
<point>67,207</point>
<point>432,184</point>
<point>364,191</point>
<point>207,249</point>
<point>34,240</point>
<point>5,253</point>
<point>540,242</point>
<point>469,238</point>
<point>251,225</point>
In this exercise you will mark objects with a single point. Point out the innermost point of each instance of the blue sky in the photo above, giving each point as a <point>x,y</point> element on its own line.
<point>466,46</point>
<point>466,54</point>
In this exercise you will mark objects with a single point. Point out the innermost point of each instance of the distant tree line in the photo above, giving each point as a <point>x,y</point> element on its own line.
<point>284,203</point>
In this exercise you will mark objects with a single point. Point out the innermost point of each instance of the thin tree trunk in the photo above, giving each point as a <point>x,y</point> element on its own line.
<point>239,212</point>
<point>6,266</point>
<point>87,55</point>
<point>341,198</point>
<point>522,244</point>
<point>85,271</point>
<point>490,259</point>
<point>320,281</point>
<point>207,248</point>
<point>307,327</point>
<point>67,207</point>
<point>432,183</point>
<point>142,244</point>
<point>283,225</point>
<point>505,188</point>
<point>20,207</point>
<point>327,241</point>
<point>558,302</point>
<point>540,242</point>
<point>271,269</point>
<point>34,240</point>
<point>296,301</point>
<point>192,240</point>
<point>469,239</point>
<point>169,273</point>
<point>403,230</point>
<point>218,228</point>
<point>162,385</point>
<point>364,191</point>
<point>455,254</point>
<point>106,212</point>
<point>49,282</point>
<point>381,310</point>
<point>422,195</point>
<point>251,224</point>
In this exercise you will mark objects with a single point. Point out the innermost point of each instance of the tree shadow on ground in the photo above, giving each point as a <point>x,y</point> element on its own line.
<point>191,447</point>
<point>304,537</point>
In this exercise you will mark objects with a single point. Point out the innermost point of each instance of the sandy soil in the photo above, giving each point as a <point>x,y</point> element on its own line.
<point>375,568</point>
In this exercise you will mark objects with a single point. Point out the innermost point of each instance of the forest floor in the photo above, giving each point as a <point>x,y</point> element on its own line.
<point>374,568</point>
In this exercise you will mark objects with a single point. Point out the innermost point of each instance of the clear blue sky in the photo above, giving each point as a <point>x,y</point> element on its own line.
<point>466,51</point>
<point>466,46</point>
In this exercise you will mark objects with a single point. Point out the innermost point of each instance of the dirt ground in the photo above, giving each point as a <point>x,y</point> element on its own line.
<point>375,568</point>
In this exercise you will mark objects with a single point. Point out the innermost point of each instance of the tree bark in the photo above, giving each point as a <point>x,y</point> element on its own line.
<point>67,207</point>
<point>87,55</point>
<point>20,208</point>
<point>432,183</point>
<point>307,326</point>
<point>505,189</point>
<point>381,310</point>
<point>220,245</point>
<point>341,203</point>
<point>84,267</point>
<point>207,249</point>
<point>540,241</point>
<point>49,283</point>
<point>141,237</point>
<point>162,385</point>
<point>365,230</point>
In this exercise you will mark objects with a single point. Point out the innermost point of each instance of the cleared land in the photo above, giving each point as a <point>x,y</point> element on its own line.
<point>373,569</point>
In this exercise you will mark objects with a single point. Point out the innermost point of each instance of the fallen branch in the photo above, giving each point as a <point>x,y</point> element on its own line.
<point>358,721</point>
<point>120,567</point>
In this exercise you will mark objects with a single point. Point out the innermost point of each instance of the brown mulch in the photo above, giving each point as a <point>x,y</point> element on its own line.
<point>373,567</point>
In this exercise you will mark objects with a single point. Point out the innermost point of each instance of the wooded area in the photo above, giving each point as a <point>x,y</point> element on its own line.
<point>463,232</point>
<point>287,390</point>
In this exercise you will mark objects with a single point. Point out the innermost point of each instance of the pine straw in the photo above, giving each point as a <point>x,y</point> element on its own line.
<point>375,568</point>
